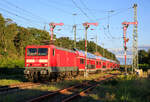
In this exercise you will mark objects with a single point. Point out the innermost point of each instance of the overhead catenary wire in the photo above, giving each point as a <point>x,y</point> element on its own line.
<point>119,12</point>
<point>86,7</point>
<point>105,32</point>
<point>58,3</point>
<point>57,8</point>
<point>10,12</point>
<point>108,28</point>
<point>24,10</point>
<point>85,14</point>
<point>16,13</point>
<point>24,18</point>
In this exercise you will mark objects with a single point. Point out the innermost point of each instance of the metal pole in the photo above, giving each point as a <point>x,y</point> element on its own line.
<point>86,73</point>
<point>74,36</point>
<point>125,47</point>
<point>86,25</point>
<point>135,42</point>
<point>52,29</point>
<point>103,49</point>
<point>96,42</point>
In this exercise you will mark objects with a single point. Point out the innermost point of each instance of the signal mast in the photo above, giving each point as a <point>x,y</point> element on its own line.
<point>52,26</point>
<point>87,25</point>
<point>125,26</point>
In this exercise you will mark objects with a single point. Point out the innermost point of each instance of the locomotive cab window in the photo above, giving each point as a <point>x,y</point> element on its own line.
<point>42,51</point>
<point>31,52</point>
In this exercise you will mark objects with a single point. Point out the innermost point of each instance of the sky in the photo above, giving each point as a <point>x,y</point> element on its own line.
<point>108,13</point>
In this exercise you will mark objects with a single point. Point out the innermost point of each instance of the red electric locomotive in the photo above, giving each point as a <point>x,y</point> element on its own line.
<point>52,62</point>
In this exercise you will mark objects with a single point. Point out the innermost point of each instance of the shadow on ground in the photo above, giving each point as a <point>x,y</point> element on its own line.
<point>12,74</point>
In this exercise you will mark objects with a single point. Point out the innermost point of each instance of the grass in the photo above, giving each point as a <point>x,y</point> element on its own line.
<point>11,79</point>
<point>123,89</point>
<point>4,82</point>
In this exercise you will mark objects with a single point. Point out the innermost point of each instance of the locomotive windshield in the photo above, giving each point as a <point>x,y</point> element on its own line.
<point>42,51</point>
<point>32,52</point>
<point>35,51</point>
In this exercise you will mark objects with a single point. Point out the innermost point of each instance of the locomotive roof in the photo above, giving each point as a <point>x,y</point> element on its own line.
<point>29,46</point>
<point>52,46</point>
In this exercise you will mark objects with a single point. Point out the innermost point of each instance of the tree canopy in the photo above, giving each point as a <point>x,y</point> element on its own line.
<point>144,57</point>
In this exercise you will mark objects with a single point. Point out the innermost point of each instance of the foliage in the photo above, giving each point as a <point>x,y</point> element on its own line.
<point>144,58</point>
<point>11,63</point>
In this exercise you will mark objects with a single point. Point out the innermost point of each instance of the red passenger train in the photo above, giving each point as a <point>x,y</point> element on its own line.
<point>52,62</point>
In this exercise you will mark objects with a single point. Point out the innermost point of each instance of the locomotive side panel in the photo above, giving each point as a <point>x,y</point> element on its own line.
<point>64,60</point>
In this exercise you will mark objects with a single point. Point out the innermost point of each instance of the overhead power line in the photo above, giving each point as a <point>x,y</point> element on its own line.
<point>81,10</point>
<point>26,19</point>
<point>105,32</point>
<point>15,14</point>
<point>57,8</point>
<point>59,3</point>
<point>26,11</point>
<point>114,14</point>
<point>86,7</point>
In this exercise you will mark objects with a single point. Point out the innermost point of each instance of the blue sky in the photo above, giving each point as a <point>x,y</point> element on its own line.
<point>37,13</point>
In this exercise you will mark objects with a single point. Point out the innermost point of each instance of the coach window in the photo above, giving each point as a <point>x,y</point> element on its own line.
<point>53,52</point>
<point>104,66</point>
<point>99,63</point>
<point>81,61</point>
<point>96,62</point>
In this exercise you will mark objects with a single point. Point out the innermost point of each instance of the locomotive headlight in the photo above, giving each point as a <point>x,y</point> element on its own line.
<point>43,60</point>
<point>27,64</point>
<point>30,60</point>
<point>45,64</point>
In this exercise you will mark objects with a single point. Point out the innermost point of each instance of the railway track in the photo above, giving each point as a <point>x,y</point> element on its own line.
<point>70,93</point>
<point>16,87</point>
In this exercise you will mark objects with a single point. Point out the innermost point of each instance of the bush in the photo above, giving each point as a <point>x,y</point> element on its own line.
<point>11,63</point>
<point>144,66</point>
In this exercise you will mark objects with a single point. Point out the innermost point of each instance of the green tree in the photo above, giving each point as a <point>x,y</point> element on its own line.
<point>2,37</point>
<point>148,57</point>
<point>143,57</point>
